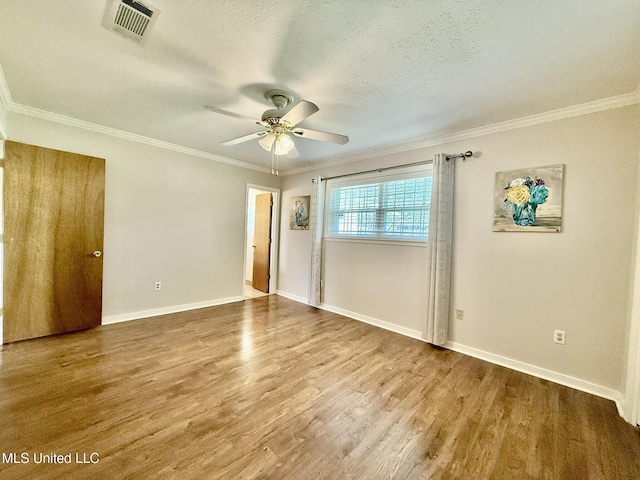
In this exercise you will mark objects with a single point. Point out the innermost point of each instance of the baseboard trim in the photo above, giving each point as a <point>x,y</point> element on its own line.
<point>550,375</point>
<point>293,297</point>
<point>126,317</point>
<point>373,321</point>
<point>356,316</point>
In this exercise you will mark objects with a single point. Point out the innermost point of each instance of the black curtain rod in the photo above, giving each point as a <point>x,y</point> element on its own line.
<point>464,155</point>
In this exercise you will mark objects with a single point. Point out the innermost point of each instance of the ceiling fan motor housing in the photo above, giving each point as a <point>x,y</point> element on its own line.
<point>272,117</point>
<point>281,100</point>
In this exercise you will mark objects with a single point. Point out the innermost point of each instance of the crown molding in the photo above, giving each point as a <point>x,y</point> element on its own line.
<point>618,101</point>
<point>134,137</point>
<point>11,106</point>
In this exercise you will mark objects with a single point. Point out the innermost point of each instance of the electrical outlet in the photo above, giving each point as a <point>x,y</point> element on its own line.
<point>157,286</point>
<point>559,336</point>
<point>459,314</point>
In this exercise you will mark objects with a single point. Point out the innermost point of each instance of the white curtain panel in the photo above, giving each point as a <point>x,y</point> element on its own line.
<point>439,247</point>
<point>317,226</point>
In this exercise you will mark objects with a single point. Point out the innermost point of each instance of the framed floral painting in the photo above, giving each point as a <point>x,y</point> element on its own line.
<point>529,200</point>
<point>299,213</point>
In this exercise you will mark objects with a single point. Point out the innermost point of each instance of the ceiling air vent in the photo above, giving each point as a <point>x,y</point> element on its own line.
<point>130,18</point>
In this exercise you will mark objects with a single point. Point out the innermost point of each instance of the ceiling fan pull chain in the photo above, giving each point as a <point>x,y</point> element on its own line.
<point>273,153</point>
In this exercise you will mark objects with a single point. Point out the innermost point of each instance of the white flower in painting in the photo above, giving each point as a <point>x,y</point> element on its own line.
<point>517,182</point>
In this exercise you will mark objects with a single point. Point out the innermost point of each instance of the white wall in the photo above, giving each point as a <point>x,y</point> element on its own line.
<point>169,217</point>
<point>388,280</point>
<point>3,121</point>
<point>515,288</point>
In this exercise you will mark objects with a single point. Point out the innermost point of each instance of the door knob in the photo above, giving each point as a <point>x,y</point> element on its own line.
<point>97,254</point>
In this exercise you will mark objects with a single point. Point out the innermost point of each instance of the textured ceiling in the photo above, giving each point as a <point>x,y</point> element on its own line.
<point>383,73</point>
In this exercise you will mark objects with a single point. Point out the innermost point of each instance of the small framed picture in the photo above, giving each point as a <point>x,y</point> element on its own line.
<point>299,214</point>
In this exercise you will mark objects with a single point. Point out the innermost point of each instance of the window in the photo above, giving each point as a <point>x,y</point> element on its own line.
<point>386,207</point>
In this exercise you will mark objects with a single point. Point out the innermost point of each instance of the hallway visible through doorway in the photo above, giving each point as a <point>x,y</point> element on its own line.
<point>262,250</point>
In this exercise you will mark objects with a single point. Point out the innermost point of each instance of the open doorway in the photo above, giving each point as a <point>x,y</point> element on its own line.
<point>261,234</point>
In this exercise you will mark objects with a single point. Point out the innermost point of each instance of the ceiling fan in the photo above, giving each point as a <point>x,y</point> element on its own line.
<point>279,124</point>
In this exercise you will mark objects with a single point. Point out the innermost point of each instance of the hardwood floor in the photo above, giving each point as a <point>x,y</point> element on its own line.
<point>272,389</point>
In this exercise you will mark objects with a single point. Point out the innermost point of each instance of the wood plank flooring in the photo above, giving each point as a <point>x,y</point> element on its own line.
<point>272,389</point>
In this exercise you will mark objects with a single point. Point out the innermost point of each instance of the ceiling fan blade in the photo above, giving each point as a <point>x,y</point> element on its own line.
<point>301,111</point>
<point>322,136</point>
<point>234,115</point>
<point>244,138</point>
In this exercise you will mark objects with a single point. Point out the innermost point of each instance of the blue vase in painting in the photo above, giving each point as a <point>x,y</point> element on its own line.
<point>524,214</point>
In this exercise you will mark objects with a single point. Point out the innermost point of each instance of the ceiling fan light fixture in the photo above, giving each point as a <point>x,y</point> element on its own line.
<point>266,142</point>
<point>284,144</point>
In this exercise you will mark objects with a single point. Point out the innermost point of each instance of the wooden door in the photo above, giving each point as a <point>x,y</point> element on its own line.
<point>262,242</point>
<point>54,219</point>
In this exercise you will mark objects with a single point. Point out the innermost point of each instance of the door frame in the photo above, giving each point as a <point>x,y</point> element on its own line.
<point>2,140</point>
<point>275,229</point>
<point>631,396</point>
